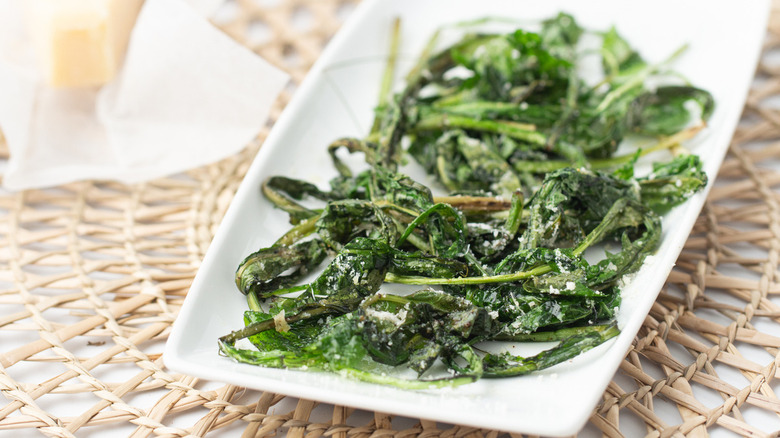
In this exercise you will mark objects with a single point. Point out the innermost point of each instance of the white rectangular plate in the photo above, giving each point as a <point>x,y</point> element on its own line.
<point>337,99</point>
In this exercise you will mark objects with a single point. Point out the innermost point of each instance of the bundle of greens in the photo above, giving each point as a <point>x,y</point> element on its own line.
<point>526,150</point>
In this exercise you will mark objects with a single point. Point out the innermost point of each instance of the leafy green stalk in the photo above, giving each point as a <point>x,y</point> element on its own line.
<point>387,77</point>
<point>515,130</point>
<point>506,365</point>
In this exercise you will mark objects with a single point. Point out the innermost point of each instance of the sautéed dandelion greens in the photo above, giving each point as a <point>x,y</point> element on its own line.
<point>528,154</point>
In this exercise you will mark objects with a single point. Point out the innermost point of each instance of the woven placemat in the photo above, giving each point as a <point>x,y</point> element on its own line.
<point>93,274</point>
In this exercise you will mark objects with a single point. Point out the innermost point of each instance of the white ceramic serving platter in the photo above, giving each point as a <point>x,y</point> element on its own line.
<point>336,100</point>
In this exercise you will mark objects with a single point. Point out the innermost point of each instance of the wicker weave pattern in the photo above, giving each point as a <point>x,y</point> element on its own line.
<point>92,275</point>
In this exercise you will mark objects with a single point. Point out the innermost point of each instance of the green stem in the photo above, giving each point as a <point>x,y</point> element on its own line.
<point>552,336</point>
<point>414,240</point>
<point>388,298</point>
<point>606,163</point>
<point>298,232</point>
<point>417,221</point>
<point>503,278</point>
<point>384,204</point>
<point>287,290</point>
<point>416,72</point>
<point>515,213</point>
<point>285,203</point>
<point>269,324</point>
<point>567,349</point>
<point>474,107</point>
<point>253,302</point>
<point>477,265</point>
<point>387,78</point>
<point>281,359</point>
<point>419,243</point>
<point>637,79</point>
<point>519,131</point>
<point>444,177</point>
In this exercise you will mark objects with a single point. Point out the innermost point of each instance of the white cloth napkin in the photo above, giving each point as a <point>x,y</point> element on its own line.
<point>187,95</point>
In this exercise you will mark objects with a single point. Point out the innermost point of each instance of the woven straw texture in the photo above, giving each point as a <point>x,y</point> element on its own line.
<point>93,274</point>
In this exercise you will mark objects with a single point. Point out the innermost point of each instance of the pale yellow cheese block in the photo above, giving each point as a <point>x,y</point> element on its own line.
<point>81,43</point>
